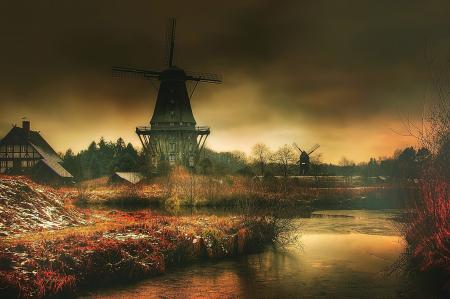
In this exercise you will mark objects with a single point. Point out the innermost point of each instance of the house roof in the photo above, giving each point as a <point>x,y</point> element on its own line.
<point>42,147</point>
<point>131,177</point>
<point>46,154</point>
<point>50,158</point>
<point>57,168</point>
<point>20,136</point>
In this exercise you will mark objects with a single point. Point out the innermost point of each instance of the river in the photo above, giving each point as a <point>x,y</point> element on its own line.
<point>336,254</point>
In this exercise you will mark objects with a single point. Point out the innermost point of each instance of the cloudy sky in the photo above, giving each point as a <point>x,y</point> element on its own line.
<point>339,73</point>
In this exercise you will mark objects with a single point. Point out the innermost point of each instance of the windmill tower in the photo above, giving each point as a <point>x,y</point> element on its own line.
<point>173,136</point>
<point>303,161</point>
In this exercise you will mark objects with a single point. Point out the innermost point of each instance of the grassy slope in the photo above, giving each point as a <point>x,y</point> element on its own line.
<point>26,206</point>
<point>73,254</point>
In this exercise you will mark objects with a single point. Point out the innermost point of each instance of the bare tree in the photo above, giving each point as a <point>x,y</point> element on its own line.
<point>347,165</point>
<point>285,157</point>
<point>432,131</point>
<point>240,155</point>
<point>316,166</point>
<point>426,230</point>
<point>260,156</point>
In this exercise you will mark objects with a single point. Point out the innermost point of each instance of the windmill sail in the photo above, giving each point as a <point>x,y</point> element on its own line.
<point>122,72</point>
<point>313,148</point>
<point>170,42</point>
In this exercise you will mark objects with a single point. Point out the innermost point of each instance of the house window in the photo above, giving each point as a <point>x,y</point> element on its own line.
<point>23,149</point>
<point>24,163</point>
<point>9,148</point>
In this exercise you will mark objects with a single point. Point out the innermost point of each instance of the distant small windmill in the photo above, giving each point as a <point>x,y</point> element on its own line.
<point>303,161</point>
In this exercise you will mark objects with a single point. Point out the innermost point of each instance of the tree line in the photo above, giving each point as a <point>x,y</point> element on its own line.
<point>103,158</point>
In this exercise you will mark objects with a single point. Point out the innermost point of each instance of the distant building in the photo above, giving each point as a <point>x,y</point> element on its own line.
<point>23,151</point>
<point>126,178</point>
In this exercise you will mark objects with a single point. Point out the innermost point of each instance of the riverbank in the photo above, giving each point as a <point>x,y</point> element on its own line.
<point>183,189</point>
<point>49,248</point>
<point>65,266</point>
<point>337,254</point>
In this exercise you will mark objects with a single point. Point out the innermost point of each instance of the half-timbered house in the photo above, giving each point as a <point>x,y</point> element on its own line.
<point>23,151</point>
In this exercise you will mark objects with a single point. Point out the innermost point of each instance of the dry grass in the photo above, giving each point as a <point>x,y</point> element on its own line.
<point>182,188</point>
<point>130,246</point>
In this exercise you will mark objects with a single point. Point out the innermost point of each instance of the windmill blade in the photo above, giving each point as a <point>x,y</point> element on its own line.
<point>312,149</point>
<point>122,72</point>
<point>170,41</point>
<point>204,77</point>
<point>295,144</point>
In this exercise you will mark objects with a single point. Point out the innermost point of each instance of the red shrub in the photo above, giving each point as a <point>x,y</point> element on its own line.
<point>428,230</point>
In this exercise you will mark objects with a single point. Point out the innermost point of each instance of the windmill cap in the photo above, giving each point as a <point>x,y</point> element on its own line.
<point>173,74</point>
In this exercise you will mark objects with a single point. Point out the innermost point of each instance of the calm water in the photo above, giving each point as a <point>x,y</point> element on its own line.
<point>338,254</point>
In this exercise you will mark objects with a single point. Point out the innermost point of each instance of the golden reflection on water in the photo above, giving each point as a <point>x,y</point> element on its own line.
<point>363,252</point>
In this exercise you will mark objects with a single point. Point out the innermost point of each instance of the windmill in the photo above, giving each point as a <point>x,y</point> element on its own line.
<point>303,161</point>
<point>173,135</point>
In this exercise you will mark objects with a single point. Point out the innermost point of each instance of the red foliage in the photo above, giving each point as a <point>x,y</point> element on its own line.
<point>64,265</point>
<point>50,283</point>
<point>428,231</point>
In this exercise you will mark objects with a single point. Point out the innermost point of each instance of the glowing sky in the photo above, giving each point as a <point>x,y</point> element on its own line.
<point>338,73</point>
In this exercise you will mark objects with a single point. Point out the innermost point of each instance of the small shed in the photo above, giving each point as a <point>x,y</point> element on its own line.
<point>126,178</point>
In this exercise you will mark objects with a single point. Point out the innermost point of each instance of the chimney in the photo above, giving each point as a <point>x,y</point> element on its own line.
<point>26,125</point>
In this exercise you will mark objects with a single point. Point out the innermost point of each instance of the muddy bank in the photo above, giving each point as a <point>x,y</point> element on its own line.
<point>66,266</point>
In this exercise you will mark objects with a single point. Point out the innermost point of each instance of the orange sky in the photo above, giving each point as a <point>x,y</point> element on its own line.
<point>343,76</point>
<point>235,125</point>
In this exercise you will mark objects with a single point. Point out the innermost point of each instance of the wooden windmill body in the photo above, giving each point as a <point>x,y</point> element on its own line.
<point>172,137</point>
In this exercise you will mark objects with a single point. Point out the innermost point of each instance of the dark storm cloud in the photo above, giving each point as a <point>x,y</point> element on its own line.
<point>336,62</point>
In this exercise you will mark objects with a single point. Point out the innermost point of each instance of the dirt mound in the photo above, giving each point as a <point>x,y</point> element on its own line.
<point>26,206</point>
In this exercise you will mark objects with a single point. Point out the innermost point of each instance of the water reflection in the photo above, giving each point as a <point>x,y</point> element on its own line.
<point>340,254</point>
